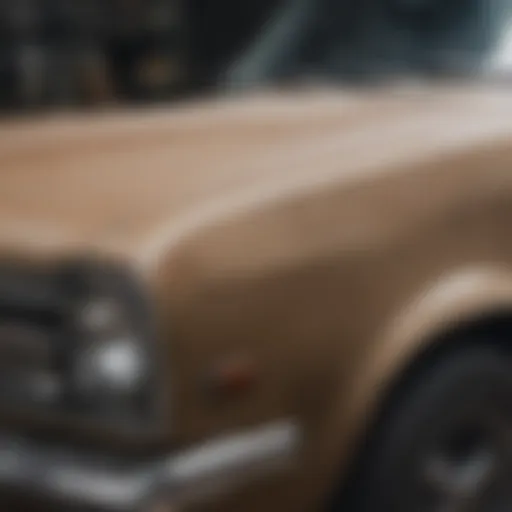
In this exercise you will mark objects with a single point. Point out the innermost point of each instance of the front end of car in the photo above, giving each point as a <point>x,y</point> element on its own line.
<point>86,399</point>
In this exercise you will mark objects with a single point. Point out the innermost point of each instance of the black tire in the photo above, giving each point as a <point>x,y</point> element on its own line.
<point>445,443</point>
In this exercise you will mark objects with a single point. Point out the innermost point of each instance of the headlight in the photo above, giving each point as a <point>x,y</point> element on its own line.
<point>114,362</point>
<point>115,367</point>
<point>110,364</point>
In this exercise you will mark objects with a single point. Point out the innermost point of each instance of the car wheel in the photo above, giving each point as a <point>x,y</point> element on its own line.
<point>445,444</point>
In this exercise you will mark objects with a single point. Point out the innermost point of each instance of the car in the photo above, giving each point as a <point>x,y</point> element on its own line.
<point>293,299</point>
<point>248,290</point>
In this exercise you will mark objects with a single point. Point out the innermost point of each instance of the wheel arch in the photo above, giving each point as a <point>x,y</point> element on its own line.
<point>465,306</point>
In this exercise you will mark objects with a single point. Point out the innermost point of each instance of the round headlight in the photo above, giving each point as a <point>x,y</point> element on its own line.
<point>115,366</point>
<point>100,316</point>
<point>110,362</point>
<point>111,359</point>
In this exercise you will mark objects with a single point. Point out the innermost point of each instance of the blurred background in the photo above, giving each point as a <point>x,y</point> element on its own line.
<point>83,53</point>
<point>56,53</point>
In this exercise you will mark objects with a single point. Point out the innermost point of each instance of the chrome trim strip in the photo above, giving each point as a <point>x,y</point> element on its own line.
<point>114,485</point>
<point>218,465</point>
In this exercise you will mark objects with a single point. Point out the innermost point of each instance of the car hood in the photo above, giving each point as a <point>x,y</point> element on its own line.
<point>117,181</point>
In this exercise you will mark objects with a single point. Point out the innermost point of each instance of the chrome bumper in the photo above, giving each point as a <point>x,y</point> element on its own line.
<point>109,484</point>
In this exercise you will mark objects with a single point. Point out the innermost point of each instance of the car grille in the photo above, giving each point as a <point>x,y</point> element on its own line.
<point>32,331</point>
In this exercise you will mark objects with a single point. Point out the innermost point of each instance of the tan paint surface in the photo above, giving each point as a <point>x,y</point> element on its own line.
<point>316,233</point>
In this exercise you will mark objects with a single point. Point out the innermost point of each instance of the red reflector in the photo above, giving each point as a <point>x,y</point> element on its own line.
<point>234,376</point>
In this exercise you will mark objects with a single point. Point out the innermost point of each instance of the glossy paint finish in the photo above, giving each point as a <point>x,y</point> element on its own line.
<point>326,236</point>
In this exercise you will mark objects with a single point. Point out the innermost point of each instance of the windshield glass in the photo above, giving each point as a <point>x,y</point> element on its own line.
<point>368,39</point>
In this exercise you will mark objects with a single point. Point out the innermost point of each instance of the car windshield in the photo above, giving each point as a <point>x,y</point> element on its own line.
<point>368,40</point>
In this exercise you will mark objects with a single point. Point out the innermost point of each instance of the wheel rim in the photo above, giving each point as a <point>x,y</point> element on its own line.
<point>467,471</point>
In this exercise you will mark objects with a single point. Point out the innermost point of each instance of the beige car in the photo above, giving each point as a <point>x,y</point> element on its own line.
<point>271,302</point>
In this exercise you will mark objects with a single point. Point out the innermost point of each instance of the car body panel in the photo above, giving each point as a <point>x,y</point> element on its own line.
<point>313,234</point>
<point>244,144</point>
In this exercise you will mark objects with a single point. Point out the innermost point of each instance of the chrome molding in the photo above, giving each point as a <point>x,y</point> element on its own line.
<point>107,484</point>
